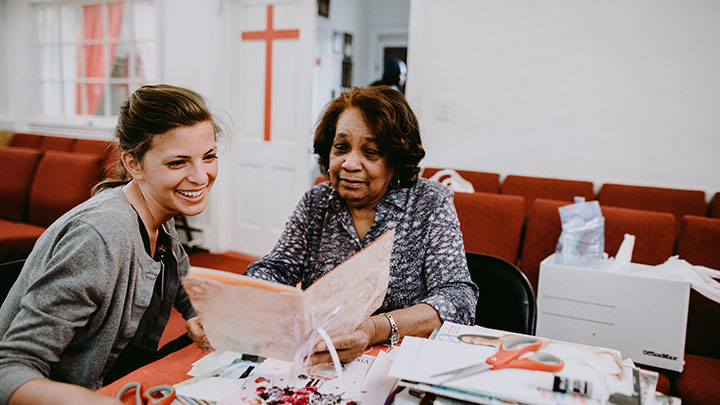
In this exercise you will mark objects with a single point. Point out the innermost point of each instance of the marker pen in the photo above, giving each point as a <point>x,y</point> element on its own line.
<point>552,382</point>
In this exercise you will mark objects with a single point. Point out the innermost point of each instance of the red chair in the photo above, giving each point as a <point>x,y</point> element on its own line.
<point>481,181</point>
<point>698,383</point>
<point>26,140</point>
<point>491,224</point>
<point>91,146</point>
<point>654,234</point>
<point>676,201</point>
<point>699,243</point>
<point>714,207</point>
<point>18,167</point>
<point>541,187</point>
<point>62,181</point>
<point>57,143</point>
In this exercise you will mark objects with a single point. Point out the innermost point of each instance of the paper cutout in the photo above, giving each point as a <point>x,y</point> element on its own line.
<point>248,315</point>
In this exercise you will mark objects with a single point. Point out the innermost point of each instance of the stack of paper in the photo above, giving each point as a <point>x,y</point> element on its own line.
<point>419,360</point>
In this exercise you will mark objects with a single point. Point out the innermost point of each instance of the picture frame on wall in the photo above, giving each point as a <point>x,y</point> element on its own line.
<point>324,8</point>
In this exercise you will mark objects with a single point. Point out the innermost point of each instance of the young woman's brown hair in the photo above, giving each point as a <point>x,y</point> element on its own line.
<point>149,111</point>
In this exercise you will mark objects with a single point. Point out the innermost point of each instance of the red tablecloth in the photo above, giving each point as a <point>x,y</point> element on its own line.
<point>170,370</point>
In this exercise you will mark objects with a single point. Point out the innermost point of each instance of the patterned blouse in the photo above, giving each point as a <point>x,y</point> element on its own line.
<point>428,259</point>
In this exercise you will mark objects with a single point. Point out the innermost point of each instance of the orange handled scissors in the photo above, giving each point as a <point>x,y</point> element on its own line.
<point>159,395</point>
<point>510,356</point>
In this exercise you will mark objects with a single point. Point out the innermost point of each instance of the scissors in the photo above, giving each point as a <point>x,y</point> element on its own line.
<point>509,356</point>
<point>158,395</point>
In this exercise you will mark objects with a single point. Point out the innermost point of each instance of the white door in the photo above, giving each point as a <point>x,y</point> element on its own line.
<point>269,97</point>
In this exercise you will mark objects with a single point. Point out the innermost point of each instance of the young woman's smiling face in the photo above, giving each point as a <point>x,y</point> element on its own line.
<point>358,170</point>
<point>178,171</point>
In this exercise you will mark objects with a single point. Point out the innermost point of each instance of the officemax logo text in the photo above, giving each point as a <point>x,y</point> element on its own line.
<point>660,355</point>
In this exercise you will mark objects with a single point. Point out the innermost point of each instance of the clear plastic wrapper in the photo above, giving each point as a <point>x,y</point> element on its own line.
<point>582,241</point>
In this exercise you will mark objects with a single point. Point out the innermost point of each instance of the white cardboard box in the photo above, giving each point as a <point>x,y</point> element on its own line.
<point>643,317</point>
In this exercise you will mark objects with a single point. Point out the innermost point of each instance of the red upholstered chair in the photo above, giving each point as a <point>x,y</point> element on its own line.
<point>654,234</point>
<point>491,224</point>
<point>17,239</point>
<point>698,383</point>
<point>17,166</point>
<point>481,181</point>
<point>714,207</point>
<point>62,181</point>
<point>676,201</point>
<point>91,146</point>
<point>26,140</point>
<point>541,187</point>
<point>699,243</point>
<point>57,143</point>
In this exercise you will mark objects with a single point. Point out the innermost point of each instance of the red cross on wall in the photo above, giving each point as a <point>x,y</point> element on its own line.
<point>268,36</point>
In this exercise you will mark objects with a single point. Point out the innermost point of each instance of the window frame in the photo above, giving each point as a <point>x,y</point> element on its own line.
<point>86,122</point>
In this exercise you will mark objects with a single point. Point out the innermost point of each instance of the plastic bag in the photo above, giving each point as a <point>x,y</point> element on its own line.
<point>453,180</point>
<point>582,241</point>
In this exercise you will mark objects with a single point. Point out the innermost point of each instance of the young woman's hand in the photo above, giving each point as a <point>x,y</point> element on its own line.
<point>197,334</point>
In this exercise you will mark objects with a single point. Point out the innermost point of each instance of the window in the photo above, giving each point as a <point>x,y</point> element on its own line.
<point>92,55</point>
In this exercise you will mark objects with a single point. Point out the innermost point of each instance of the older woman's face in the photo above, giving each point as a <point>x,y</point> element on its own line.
<point>358,170</point>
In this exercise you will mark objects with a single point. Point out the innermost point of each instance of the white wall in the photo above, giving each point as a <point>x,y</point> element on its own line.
<point>190,45</point>
<point>344,17</point>
<point>17,25</point>
<point>611,91</point>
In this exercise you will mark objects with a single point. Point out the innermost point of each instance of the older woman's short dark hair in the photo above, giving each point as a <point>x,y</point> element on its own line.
<point>390,118</point>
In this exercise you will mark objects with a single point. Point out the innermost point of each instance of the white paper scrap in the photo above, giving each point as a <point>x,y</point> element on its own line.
<point>213,361</point>
<point>211,389</point>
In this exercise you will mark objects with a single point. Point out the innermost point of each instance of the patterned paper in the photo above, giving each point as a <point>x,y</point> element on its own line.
<point>248,315</point>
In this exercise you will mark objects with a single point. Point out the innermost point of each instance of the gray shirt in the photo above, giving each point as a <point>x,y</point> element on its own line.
<point>80,296</point>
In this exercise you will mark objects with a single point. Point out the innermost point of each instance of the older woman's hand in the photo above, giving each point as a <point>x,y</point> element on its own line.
<point>197,334</point>
<point>348,347</point>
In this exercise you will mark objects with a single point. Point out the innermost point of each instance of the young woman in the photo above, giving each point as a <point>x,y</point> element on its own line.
<point>96,292</point>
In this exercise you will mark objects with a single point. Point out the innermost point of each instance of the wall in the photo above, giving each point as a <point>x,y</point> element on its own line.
<point>611,91</point>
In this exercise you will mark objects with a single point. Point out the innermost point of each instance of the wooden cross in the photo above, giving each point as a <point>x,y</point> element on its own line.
<point>268,36</point>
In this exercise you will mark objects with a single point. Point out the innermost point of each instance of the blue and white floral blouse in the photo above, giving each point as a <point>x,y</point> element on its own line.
<point>428,259</point>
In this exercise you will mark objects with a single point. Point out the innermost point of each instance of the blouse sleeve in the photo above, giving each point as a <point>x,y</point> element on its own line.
<point>450,290</point>
<point>285,263</point>
<point>73,286</point>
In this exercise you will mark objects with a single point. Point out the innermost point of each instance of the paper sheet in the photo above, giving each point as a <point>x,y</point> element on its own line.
<point>420,359</point>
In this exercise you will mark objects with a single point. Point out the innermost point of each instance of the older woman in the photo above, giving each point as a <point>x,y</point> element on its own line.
<point>368,143</point>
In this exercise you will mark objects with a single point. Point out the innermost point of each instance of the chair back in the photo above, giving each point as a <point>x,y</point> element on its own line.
<point>491,223</point>
<point>654,233</point>
<point>9,272</point>
<point>532,188</point>
<point>698,243</point>
<point>679,202</point>
<point>714,206</point>
<point>484,182</point>
<point>507,301</point>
